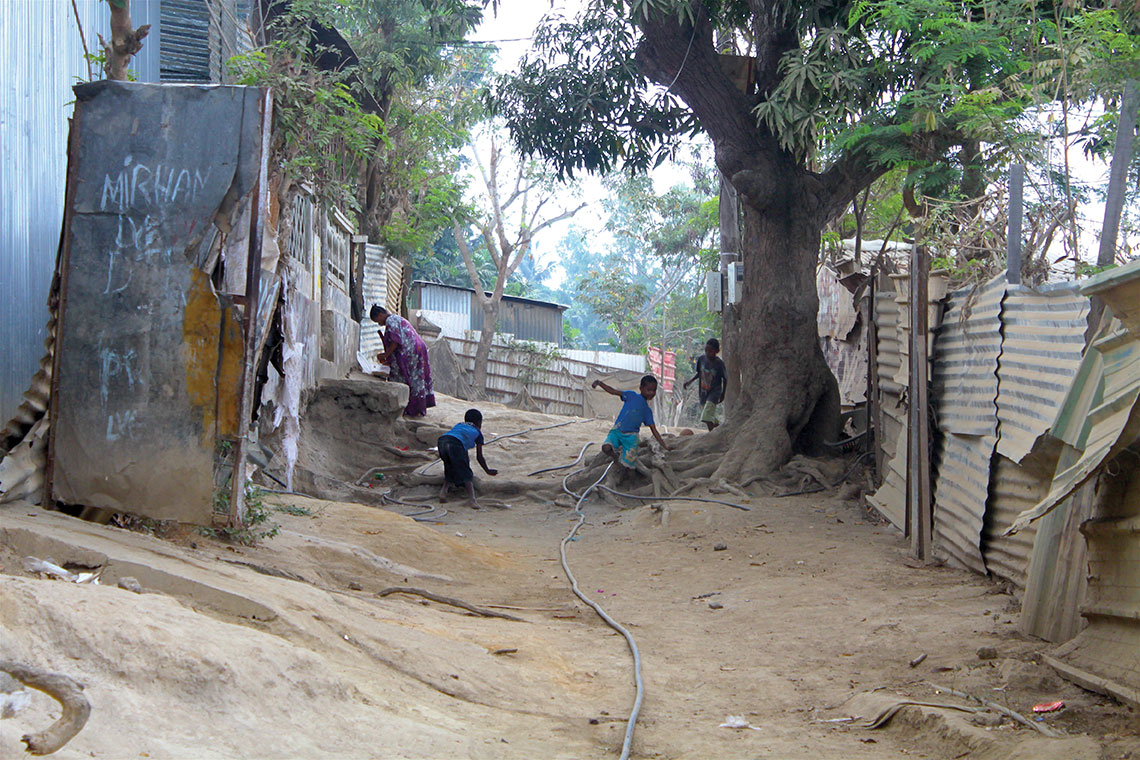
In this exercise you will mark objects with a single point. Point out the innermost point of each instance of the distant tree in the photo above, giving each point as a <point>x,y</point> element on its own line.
<point>514,211</point>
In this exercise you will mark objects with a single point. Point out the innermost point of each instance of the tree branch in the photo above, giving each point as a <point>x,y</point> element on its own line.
<point>469,262</point>
<point>63,689</point>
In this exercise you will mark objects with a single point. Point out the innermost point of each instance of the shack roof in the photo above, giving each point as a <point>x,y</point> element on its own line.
<point>515,299</point>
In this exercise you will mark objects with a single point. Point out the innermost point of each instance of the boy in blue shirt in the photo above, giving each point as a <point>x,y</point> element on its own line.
<point>622,441</point>
<point>453,446</point>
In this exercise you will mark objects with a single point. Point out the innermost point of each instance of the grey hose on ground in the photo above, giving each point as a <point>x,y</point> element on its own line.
<point>417,516</point>
<point>581,454</point>
<point>625,747</point>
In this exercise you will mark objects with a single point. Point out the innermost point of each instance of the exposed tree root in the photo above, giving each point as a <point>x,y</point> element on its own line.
<point>63,689</point>
<point>482,612</point>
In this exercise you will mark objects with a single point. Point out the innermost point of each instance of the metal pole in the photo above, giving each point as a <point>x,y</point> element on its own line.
<point>1013,236</point>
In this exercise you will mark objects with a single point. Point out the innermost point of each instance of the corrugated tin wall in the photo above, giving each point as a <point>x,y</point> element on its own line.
<point>531,321</point>
<point>427,295</point>
<point>965,385</point>
<point>890,498</point>
<point>43,56</point>
<point>186,41</point>
<point>1043,337</point>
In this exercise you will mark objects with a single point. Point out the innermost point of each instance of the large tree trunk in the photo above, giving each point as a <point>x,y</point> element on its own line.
<point>788,401</point>
<point>486,337</point>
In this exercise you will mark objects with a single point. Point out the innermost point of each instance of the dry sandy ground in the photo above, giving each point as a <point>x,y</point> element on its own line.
<point>809,604</point>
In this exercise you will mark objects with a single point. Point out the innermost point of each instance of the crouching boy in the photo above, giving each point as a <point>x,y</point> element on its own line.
<point>622,441</point>
<point>453,446</point>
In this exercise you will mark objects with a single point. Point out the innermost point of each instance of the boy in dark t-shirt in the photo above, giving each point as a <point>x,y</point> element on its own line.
<point>710,370</point>
<point>453,446</point>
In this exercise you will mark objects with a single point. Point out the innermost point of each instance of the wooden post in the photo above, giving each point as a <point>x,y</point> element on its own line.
<point>1118,173</point>
<point>1013,235</point>
<point>1114,202</point>
<point>874,406</point>
<point>918,419</point>
<point>258,208</point>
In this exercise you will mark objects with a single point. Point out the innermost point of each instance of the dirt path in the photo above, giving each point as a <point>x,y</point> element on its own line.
<point>780,615</point>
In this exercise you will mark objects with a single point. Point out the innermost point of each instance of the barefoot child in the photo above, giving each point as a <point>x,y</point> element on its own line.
<point>453,446</point>
<point>622,441</point>
<point>710,370</point>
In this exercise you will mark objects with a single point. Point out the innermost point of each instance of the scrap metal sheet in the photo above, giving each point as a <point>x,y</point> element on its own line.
<point>1043,338</point>
<point>1112,419</point>
<point>966,361</point>
<point>136,406</point>
<point>1014,487</point>
<point>961,489</point>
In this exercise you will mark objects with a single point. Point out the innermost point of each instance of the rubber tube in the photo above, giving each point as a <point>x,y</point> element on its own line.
<point>564,466</point>
<point>625,747</point>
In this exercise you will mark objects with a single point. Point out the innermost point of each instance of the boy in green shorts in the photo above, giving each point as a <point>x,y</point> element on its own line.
<point>622,441</point>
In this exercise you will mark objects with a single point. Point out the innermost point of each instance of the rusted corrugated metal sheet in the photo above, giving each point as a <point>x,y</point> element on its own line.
<point>1013,488</point>
<point>1120,289</point>
<point>960,493</point>
<point>890,498</point>
<point>966,361</point>
<point>35,98</point>
<point>1105,656</point>
<point>1042,342</point>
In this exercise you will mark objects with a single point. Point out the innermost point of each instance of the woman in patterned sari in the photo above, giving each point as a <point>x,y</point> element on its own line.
<point>407,354</point>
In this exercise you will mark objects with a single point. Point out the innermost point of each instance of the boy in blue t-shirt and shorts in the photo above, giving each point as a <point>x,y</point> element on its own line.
<point>622,441</point>
<point>453,446</point>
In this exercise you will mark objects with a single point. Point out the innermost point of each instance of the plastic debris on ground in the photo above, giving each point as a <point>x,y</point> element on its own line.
<point>1048,707</point>
<point>738,722</point>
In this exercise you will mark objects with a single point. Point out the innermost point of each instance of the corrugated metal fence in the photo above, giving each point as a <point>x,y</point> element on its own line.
<point>43,57</point>
<point>557,385</point>
<point>1003,360</point>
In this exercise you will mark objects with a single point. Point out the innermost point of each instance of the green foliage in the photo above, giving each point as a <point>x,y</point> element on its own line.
<point>257,526</point>
<point>376,128</point>
<point>1083,270</point>
<point>579,101</point>
<point>533,358</point>
<point>321,133</point>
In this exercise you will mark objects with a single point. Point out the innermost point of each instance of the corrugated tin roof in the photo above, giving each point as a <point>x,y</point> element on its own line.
<point>1106,418</point>
<point>966,361</point>
<point>961,489</point>
<point>1013,488</point>
<point>1043,337</point>
<point>517,299</point>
